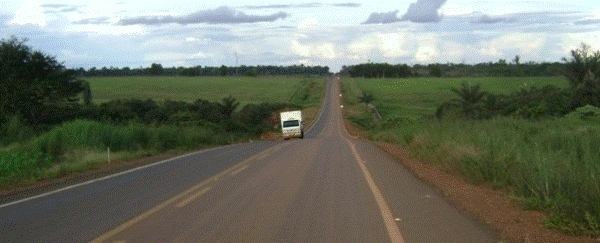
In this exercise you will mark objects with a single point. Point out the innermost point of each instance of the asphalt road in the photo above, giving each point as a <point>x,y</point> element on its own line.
<point>328,187</point>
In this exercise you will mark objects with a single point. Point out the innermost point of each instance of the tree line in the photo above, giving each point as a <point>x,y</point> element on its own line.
<point>502,68</point>
<point>157,69</point>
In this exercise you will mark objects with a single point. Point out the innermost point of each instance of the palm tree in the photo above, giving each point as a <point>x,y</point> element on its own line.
<point>469,97</point>
<point>580,64</point>
<point>583,73</point>
<point>228,106</point>
<point>366,97</point>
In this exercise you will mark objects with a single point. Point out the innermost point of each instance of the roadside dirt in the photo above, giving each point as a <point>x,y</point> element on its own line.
<point>493,207</point>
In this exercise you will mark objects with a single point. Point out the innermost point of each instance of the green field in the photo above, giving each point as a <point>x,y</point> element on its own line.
<point>244,89</point>
<point>415,97</point>
<point>551,165</point>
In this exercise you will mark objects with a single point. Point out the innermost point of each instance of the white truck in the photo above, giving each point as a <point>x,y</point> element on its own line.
<point>292,124</point>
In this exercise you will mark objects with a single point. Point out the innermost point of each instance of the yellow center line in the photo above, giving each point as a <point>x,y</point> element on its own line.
<point>164,204</point>
<point>239,170</point>
<point>264,156</point>
<point>191,198</point>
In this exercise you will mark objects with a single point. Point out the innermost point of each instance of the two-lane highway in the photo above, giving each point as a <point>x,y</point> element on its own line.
<point>327,187</point>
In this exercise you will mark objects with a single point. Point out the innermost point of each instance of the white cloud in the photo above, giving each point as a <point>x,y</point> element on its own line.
<point>573,41</point>
<point>309,24</point>
<point>489,50</point>
<point>426,53</point>
<point>428,50</point>
<point>596,13</point>
<point>191,39</point>
<point>453,51</point>
<point>524,43</point>
<point>324,50</point>
<point>390,45</point>
<point>30,12</point>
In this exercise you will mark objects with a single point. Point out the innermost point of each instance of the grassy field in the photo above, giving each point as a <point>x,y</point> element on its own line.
<point>550,165</point>
<point>415,97</point>
<point>244,89</point>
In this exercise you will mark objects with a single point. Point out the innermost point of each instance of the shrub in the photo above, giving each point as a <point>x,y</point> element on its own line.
<point>21,164</point>
<point>586,112</point>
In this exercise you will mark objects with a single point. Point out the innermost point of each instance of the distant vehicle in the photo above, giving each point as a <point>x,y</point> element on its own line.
<point>292,124</point>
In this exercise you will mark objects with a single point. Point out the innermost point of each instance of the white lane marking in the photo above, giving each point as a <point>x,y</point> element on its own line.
<point>386,213</point>
<point>239,170</point>
<point>164,204</point>
<point>191,198</point>
<point>109,176</point>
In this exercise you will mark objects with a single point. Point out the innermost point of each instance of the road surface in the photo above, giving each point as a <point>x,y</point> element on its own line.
<point>328,187</point>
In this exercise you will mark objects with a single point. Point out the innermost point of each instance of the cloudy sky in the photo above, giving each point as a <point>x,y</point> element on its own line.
<point>134,33</point>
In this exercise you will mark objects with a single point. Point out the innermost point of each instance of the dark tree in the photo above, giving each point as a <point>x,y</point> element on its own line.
<point>435,70</point>
<point>223,70</point>
<point>583,74</point>
<point>470,97</point>
<point>156,69</point>
<point>228,106</point>
<point>32,82</point>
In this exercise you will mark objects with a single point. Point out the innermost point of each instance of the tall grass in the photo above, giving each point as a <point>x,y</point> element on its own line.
<point>82,134</point>
<point>554,165</point>
<point>72,142</point>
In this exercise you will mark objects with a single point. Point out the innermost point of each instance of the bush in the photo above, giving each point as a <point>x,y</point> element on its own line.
<point>586,112</point>
<point>15,130</point>
<point>21,164</point>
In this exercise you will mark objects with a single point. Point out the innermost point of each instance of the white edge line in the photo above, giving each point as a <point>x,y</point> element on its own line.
<point>386,213</point>
<point>109,176</point>
<point>392,228</point>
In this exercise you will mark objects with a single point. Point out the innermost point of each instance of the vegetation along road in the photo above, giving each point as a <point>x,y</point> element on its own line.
<point>328,187</point>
